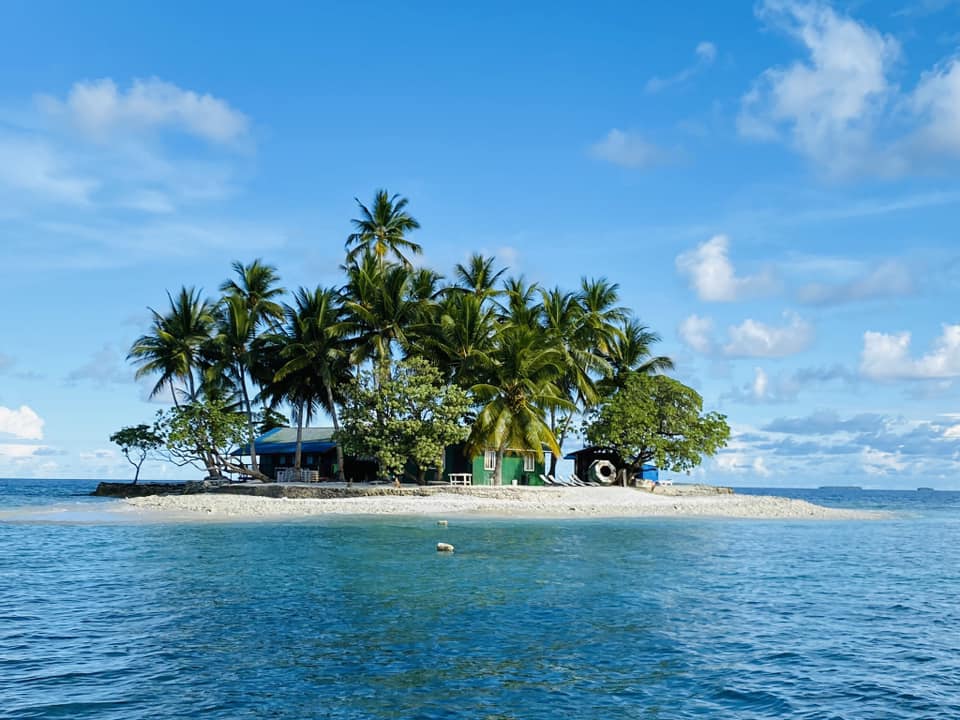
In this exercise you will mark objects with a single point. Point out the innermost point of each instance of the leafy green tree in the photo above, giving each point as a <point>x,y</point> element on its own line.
<point>202,434</point>
<point>382,230</point>
<point>516,390</point>
<point>656,419</point>
<point>412,416</point>
<point>137,443</point>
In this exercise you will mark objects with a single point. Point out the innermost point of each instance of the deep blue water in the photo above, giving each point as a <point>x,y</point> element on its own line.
<point>361,618</point>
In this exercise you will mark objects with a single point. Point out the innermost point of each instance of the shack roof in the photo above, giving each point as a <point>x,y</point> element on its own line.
<point>283,441</point>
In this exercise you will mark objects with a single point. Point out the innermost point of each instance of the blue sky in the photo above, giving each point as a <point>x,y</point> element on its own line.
<point>774,186</point>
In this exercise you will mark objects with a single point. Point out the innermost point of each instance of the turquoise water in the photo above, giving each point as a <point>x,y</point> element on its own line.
<point>361,618</point>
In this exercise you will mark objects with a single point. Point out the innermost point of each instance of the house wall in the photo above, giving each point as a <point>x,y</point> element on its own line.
<point>513,472</point>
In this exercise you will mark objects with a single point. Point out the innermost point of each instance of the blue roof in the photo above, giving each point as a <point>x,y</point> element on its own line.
<point>283,441</point>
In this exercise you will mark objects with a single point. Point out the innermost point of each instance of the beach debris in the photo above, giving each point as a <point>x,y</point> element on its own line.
<point>442,523</point>
<point>444,547</point>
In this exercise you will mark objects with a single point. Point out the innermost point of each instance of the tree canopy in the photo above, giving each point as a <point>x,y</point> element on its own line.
<point>412,415</point>
<point>656,419</point>
<point>137,443</point>
<point>414,361</point>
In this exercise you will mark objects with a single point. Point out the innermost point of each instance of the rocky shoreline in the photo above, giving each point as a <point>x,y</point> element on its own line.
<point>333,491</point>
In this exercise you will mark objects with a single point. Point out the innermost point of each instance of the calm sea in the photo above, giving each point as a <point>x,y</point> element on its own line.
<point>361,618</point>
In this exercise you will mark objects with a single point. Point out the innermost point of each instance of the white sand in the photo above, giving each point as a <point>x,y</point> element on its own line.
<point>506,502</point>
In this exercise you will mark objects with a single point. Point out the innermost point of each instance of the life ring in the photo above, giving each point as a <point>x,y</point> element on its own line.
<point>603,472</point>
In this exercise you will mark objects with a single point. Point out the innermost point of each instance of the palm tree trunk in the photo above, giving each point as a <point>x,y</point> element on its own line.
<point>213,469</point>
<point>336,433</point>
<point>173,394</point>
<point>498,472</point>
<point>246,401</point>
<point>193,387</point>
<point>296,456</point>
<point>564,429</point>
<point>553,429</point>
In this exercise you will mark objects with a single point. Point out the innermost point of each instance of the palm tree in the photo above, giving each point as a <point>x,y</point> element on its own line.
<point>382,230</point>
<point>172,347</point>
<point>381,310</point>
<point>315,358</point>
<point>460,339</point>
<point>563,317</point>
<point>519,306</point>
<point>630,353</point>
<point>517,388</point>
<point>601,314</point>
<point>234,342</point>
<point>479,276</point>
<point>257,285</point>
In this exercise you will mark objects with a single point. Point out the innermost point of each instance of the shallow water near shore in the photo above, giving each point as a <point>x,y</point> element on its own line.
<point>361,618</point>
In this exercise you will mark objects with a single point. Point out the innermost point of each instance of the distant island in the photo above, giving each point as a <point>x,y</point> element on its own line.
<point>840,487</point>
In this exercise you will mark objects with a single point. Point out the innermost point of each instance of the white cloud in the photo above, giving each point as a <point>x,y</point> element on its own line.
<point>17,451</point>
<point>106,148</point>
<point>827,104</point>
<point>785,387</point>
<point>712,276</point>
<point>887,279</point>
<point>23,423</point>
<point>696,332</point>
<point>936,100</point>
<point>705,52</point>
<point>98,455</point>
<point>628,150</point>
<point>759,466</point>
<point>100,109</point>
<point>33,167</point>
<point>761,384</point>
<point>756,339</point>
<point>840,106</point>
<point>887,356</point>
<point>879,462</point>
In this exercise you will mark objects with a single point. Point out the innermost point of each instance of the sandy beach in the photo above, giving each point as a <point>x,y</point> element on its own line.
<point>518,502</point>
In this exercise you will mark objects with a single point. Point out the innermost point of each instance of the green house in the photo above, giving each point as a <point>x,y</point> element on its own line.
<point>519,467</point>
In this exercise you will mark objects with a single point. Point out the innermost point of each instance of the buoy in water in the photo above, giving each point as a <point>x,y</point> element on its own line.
<point>444,547</point>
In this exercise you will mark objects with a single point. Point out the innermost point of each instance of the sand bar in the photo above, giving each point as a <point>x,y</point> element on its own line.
<point>519,502</point>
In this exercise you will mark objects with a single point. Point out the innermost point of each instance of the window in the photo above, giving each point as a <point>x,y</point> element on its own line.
<point>490,460</point>
<point>529,462</point>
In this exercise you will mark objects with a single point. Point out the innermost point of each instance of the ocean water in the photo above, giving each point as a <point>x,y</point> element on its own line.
<point>103,618</point>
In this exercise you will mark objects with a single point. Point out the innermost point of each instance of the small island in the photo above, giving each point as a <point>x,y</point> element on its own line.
<point>443,395</point>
